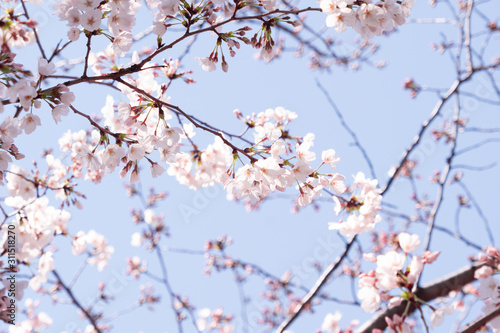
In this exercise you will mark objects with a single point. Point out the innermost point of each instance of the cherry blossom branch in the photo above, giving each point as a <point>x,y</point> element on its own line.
<point>479,98</point>
<point>109,84</point>
<point>426,293</point>
<point>434,21</point>
<point>191,119</point>
<point>475,168</point>
<point>477,145</point>
<point>124,311</point>
<point>87,314</point>
<point>96,125</point>
<point>447,231</point>
<point>265,274</point>
<point>136,67</point>
<point>306,300</point>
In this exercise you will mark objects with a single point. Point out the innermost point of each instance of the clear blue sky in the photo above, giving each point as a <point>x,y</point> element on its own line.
<point>375,106</point>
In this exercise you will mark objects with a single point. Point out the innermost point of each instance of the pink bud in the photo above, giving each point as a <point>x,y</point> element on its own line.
<point>429,256</point>
<point>371,257</point>
<point>492,251</point>
<point>482,257</point>
<point>31,23</point>
<point>395,301</point>
<point>483,272</point>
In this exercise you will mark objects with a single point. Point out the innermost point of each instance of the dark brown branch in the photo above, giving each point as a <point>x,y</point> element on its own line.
<point>89,37</point>
<point>475,326</point>
<point>136,67</point>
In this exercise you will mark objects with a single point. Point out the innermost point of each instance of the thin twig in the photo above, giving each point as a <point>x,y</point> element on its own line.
<point>34,31</point>
<point>89,37</point>
<point>348,129</point>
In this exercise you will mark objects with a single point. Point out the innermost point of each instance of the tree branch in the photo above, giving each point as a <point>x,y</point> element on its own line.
<point>315,289</point>
<point>87,314</point>
<point>426,293</point>
<point>475,326</point>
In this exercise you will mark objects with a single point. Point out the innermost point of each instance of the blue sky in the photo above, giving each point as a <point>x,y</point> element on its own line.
<point>374,105</point>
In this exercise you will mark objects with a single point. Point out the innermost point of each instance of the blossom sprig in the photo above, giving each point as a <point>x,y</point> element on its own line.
<point>209,321</point>
<point>154,228</point>
<point>193,13</point>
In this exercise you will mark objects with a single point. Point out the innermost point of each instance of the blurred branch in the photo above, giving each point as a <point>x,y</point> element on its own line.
<point>87,314</point>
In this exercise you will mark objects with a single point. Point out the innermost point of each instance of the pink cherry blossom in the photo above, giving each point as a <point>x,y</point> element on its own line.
<point>207,64</point>
<point>29,123</point>
<point>408,243</point>
<point>437,317</point>
<point>483,272</point>
<point>331,323</point>
<point>91,19</point>
<point>45,68</point>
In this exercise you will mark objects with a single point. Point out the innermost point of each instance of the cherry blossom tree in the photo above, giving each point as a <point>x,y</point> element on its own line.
<point>396,262</point>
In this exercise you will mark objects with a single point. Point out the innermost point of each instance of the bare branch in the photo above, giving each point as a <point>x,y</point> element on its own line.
<point>316,288</point>
<point>348,129</point>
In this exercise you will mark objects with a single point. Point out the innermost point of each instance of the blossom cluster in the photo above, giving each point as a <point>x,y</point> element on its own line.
<point>362,207</point>
<point>393,279</point>
<point>88,15</point>
<point>367,18</point>
<point>37,224</point>
<point>16,86</point>
<point>285,162</point>
<point>16,29</point>
<point>99,253</point>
